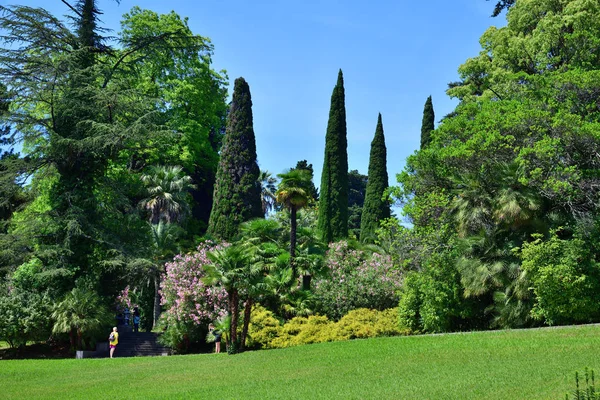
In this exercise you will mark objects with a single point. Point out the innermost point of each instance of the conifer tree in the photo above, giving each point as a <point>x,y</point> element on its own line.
<point>375,209</point>
<point>237,189</point>
<point>428,123</point>
<point>333,197</point>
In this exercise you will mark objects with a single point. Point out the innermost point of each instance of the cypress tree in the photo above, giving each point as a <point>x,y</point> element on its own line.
<point>237,190</point>
<point>333,197</point>
<point>428,123</point>
<point>375,209</point>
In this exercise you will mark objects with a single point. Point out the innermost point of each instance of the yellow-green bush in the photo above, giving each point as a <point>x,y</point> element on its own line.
<point>263,328</point>
<point>302,330</point>
<point>366,323</point>
<point>266,332</point>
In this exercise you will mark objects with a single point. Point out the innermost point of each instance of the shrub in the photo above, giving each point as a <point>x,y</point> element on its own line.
<point>356,279</point>
<point>431,300</point>
<point>267,332</point>
<point>365,323</point>
<point>306,330</point>
<point>564,278</point>
<point>189,304</point>
<point>263,328</point>
<point>24,316</point>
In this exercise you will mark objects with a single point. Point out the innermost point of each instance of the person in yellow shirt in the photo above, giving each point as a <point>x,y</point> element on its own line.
<point>113,340</point>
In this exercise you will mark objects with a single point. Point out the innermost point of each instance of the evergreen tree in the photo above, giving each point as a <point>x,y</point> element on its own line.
<point>375,209</point>
<point>333,201</point>
<point>357,189</point>
<point>237,189</point>
<point>428,123</point>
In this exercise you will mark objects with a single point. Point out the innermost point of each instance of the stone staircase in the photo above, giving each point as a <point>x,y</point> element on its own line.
<point>140,344</point>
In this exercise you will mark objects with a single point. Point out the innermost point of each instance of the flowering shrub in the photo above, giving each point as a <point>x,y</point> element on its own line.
<point>124,299</point>
<point>189,305</point>
<point>354,280</point>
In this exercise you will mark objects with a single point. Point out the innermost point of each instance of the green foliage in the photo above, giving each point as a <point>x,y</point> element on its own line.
<point>237,190</point>
<point>82,315</point>
<point>376,208</point>
<point>24,317</point>
<point>293,193</point>
<point>431,300</point>
<point>167,189</point>
<point>515,157</point>
<point>191,100</point>
<point>564,278</point>
<point>333,197</point>
<point>428,123</point>
<point>587,392</point>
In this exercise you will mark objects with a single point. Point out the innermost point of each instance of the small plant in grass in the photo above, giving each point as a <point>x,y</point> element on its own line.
<point>588,392</point>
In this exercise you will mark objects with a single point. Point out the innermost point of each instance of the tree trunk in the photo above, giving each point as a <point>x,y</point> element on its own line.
<point>293,228</point>
<point>247,313</point>
<point>72,338</point>
<point>156,300</point>
<point>234,311</point>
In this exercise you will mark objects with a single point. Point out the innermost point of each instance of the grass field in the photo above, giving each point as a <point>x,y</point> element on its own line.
<point>519,364</point>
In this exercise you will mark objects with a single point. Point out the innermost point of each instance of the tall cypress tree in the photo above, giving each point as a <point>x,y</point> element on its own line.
<point>428,123</point>
<point>333,200</point>
<point>237,190</point>
<point>375,209</point>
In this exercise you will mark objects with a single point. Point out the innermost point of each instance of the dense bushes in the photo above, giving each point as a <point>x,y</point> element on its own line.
<point>431,300</point>
<point>267,332</point>
<point>565,279</point>
<point>356,279</point>
<point>24,317</point>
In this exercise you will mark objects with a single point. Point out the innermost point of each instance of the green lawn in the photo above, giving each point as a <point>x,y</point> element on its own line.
<point>520,364</point>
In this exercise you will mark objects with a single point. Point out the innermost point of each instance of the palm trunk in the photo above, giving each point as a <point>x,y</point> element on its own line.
<point>293,228</point>
<point>247,313</point>
<point>156,300</point>
<point>234,311</point>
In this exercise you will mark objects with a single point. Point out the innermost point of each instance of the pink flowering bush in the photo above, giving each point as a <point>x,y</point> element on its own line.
<point>124,299</point>
<point>356,279</point>
<point>189,305</point>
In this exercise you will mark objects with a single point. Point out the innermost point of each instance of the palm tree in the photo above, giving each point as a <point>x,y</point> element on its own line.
<point>294,194</point>
<point>167,189</point>
<point>81,313</point>
<point>267,191</point>
<point>231,268</point>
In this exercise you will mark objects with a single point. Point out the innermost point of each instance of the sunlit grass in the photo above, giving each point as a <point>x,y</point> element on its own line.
<point>520,364</point>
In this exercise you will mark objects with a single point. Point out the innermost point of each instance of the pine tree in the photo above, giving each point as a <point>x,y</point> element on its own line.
<point>375,209</point>
<point>237,189</point>
<point>333,200</point>
<point>428,123</point>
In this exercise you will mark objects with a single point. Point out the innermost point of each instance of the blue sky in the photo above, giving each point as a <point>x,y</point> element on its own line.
<point>393,54</point>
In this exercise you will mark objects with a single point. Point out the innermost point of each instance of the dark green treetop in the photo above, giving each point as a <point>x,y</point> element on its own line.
<point>333,200</point>
<point>375,209</point>
<point>303,164</point>
<point>237,190</point>
<point>428,123</point>
<point>357,189</point>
